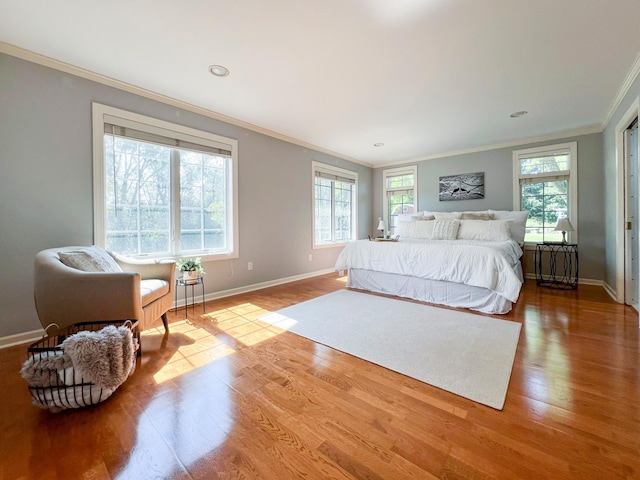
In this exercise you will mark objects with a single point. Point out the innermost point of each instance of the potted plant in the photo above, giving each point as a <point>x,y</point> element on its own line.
<point>191,268</point>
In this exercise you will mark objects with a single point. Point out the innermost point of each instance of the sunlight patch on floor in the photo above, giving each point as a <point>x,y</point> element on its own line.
<point>200,348</point>
<point>242,323</point>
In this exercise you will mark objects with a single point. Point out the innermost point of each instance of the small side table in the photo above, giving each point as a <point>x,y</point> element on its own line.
<point>563,265</point>
<point>181,282</point>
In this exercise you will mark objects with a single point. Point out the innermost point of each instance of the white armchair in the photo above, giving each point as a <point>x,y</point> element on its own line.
<point>65,295</point>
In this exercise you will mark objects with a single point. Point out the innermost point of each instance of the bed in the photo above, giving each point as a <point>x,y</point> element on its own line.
<point>458,259</point>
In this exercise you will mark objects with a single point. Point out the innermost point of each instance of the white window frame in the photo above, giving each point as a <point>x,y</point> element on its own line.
<point>338,172</point>
<point>102,114</point>
<point>572,149</point>
<point>394,172</point>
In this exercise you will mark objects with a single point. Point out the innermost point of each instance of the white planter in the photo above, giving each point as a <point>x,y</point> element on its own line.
<point>190,276</point>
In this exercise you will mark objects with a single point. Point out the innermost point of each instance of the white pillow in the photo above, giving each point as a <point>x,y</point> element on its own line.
<point>445,229</point>
<point>408,217</point>
<point>89,259</point>
<point>415,229</point>
<point>488,230</point>
<point>518,221</point>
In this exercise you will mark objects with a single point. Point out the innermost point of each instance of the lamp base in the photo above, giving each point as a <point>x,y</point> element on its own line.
<point>564,238</point>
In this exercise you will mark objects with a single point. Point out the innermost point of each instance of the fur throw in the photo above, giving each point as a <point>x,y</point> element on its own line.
<point>42,369</point>
<point>105,358</point>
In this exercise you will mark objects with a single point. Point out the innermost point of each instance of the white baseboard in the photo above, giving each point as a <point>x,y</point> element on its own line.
<point>257,286</point>
<point>610,291</point>
<point>583,281</point>
<point>20,338</point>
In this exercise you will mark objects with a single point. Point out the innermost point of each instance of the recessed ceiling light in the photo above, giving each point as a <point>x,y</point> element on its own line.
<point>521,113</point>
<point>378,144</point>
<point>219,70</point>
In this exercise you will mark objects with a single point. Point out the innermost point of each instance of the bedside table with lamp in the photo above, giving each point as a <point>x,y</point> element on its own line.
<point>563,263</point>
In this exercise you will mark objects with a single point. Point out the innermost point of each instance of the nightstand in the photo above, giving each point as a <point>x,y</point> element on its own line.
<point>561,260</point>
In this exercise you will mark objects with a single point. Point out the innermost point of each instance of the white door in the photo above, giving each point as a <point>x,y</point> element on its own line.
<point>632,245</point>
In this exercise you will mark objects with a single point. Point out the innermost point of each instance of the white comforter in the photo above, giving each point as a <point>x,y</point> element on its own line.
<point>478,263</point>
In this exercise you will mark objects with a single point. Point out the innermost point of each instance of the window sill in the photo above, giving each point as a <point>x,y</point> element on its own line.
<point>331,245</point>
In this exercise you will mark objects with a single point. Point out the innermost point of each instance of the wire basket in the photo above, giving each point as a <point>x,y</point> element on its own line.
<point>61,387</point>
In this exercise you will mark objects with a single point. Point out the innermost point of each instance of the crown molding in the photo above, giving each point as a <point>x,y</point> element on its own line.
<point>120,85</point>
<point>516,143</point>
<point>45,61</point>
<point>634,71</point>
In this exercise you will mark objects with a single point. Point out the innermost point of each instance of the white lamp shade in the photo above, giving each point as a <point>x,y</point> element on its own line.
<point>564,225</point>
<point>381,225</point>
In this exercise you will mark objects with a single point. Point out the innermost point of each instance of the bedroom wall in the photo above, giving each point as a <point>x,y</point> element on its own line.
<point>610,186</point>
<point>46,186</point>
<point>497,166</point>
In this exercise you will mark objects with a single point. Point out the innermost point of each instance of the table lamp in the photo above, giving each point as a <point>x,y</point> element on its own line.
<point>381,226</point>
<point>564,226</point>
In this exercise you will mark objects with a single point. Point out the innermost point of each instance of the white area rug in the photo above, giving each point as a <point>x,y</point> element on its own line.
<point>466,354</point>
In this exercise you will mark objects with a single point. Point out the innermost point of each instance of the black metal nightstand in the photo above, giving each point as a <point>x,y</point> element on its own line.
<point>563,265</point>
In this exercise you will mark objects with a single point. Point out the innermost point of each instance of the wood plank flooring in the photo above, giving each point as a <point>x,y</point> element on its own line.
<point>226,397</point>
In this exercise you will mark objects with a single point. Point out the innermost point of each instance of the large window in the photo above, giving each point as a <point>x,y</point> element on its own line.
<point>400,193</point>
<point>334,204</point>
<point>545,183</point>
<point>162,189</point>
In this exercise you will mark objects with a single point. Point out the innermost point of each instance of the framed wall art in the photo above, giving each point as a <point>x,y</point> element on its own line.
<point>466,186</point>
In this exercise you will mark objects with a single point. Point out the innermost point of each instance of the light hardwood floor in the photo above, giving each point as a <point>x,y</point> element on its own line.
<point>222,396</point>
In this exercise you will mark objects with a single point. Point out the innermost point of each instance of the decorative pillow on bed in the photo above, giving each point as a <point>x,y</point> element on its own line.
<point>476,216</point>
<point>447,215</point>
<point>89,259</point>
<point>445,229</point>
<point>488,230</point>
<point>415,229</point>
<point>518,221</point>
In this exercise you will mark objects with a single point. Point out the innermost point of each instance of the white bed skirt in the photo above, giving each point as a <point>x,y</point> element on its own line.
<point>432,291</point>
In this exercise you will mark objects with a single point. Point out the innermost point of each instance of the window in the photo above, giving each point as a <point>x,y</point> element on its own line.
<point>400,193</point>
<point>545,183</point>
<point>334,204</point>
<point>162,189</point>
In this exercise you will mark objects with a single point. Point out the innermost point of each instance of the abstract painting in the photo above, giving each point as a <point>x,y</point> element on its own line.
<point>466,186</point>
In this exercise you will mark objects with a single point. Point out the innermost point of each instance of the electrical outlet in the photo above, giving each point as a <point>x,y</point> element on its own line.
<point>250,266</point>
<point>310,257</point>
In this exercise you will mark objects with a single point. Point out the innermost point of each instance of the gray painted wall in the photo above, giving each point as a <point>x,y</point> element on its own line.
<point>46,186</point>
<point>610,182</point>
<point>497,166</point>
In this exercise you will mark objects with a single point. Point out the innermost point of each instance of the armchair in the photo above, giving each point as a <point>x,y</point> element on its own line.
<point>142,290</point>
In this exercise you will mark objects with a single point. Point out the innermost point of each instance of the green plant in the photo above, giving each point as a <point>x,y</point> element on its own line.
<point>190,265</point>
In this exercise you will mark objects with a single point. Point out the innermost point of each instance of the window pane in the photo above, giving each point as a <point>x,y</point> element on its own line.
<point>546,202</point>
<point>399,204</point>
<point>323,210</point>
<point>548,164</point>
<point>400,181</point>
<point>343,211</point>
<point>333,210</point>
<point>137,200</point>
<point>202,201</point>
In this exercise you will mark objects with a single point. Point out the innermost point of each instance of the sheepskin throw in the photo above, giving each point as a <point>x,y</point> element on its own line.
<point>42,369</point>
<point>84,370</point>
<point>105,358</point>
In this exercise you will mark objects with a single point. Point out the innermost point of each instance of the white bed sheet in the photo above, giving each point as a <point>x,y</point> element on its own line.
<point>488,265</point>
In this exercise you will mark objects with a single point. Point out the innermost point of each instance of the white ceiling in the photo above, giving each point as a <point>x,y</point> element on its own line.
<point>425,77</point>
